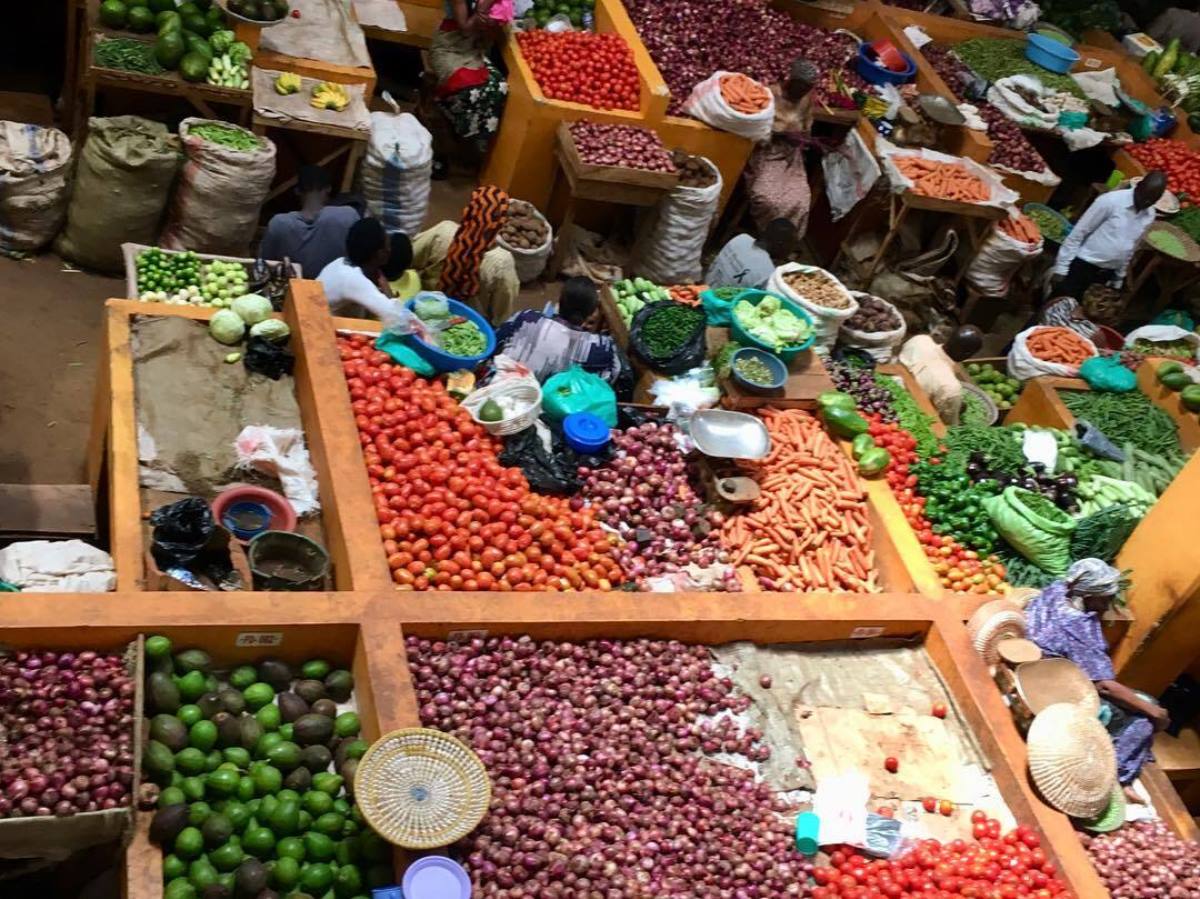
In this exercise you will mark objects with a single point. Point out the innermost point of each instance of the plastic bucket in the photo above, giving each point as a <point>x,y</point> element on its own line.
<point>1050,54</point>
<point>444,361</point>
<point>281,560</point>
<point>874,72</point>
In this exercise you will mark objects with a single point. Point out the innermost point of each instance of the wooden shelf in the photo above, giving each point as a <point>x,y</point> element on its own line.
<point>1179,757</point>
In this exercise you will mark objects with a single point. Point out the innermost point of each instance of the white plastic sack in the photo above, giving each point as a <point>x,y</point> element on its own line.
<point>529,263</point>
<point>35,171</point>
<point>280,453</point>
<point>1006,97</point>
<point>1023,365</point>
<point>57,566</point>
<point>219,195</point>
<point>1001,196</point>
<point>673,233</point>
<point>880,345</point>
<point>706,104</point>
<point>850,174</point>
<point>827,322</point>
<point>998,260</point>
<point>1163,334</point>
<point>397,168</point>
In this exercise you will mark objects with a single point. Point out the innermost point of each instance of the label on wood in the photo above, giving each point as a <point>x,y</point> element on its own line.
<point>259,638</point>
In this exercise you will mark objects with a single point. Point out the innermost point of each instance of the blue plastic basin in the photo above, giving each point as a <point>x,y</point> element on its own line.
<point>742,336</point>
<point>874,72</point>
<point>444,361</point>
<point>1050,54</point>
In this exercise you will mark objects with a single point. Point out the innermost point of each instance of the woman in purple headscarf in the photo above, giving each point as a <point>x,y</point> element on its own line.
<point>1064,620</point>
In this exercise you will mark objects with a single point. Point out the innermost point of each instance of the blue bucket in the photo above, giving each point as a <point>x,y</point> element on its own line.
<point>874,72</point>
<point>444,361</point>
<point>1050,54</point>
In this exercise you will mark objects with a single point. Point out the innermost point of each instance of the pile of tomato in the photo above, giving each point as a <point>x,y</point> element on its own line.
<point>1177,161</point>
<point>583,67</point>
<point>993,867</point>
<point>959,569</point>
<point>451,517</point>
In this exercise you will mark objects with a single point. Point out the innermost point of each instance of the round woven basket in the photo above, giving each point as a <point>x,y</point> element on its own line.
<point>992,622</point>
<point>1071,760</point>
<point>421,789</point>
<point>1191,252</point>
<point>993,411</point>
<point>1045,682</point>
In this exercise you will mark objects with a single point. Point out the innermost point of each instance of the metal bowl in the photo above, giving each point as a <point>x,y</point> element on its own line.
<point>262,23</point>
<point>730,435</point>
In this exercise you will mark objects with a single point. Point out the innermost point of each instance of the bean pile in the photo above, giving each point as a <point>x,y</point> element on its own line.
<point>127,55</point>
<point>1125,417</point>
<point>635,148</point>
<point>668,328</point>
<point>694,171</point>
<point>996,58</point>
<point>819,289</point>
<point>1172,349</point>
<point>873,316</point>
<point>226,135</point>
<point>974,412</point>
<point>464,339</point>
<point>1051,226</point>
<point>524,229</point>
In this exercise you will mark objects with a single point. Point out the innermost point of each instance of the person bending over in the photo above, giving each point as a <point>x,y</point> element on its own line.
<point>352,282</point>
<point>746,262</point>
<point>314,236</point>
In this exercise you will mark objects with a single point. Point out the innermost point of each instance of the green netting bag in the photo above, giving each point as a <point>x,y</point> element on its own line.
<point>1034,526</point>
<point>1107,373</point>
<point>576,390</point>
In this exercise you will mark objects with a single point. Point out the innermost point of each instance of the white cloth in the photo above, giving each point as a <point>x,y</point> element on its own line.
<point>741,263</point>
<point>57,566</point>
<point>344,283</point>
<point>1106,234</point>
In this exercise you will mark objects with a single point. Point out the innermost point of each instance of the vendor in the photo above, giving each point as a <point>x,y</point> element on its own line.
<point>936,371</point>
<point>549,343</point>
<point>403,281</point>
<point>352,282</point>
<point>1066,312</point>
<point>1100,245</point>
<point>1064,621</point>
<point>463,262</point>
<point>314,236</point>
<point>776,180</point>
<point>470,88</point>
<point>746,262</point>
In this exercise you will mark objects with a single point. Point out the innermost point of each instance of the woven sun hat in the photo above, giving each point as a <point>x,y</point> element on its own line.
<point>421,789</point>
<point>1113,815</point>
<point>1015,650</point>
<point>1071,760</point>
<point>992,622</point>
<point>1048,681</point>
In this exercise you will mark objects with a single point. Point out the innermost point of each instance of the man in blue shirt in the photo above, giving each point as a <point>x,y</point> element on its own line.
<point>314,236</point>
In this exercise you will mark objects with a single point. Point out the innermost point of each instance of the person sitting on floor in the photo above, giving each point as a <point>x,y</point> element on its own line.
<point>746,262</point>
<point>314,236</point>
<point>402,279</point>
<point>352,282</point>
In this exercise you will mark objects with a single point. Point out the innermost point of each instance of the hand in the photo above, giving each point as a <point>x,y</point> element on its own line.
<point>1160,718</point>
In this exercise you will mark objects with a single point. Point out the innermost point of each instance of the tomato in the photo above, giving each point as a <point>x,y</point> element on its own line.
<point>583,67</point>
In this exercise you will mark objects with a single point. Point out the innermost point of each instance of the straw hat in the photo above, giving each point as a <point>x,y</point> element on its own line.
<point>1112,817</point>
<point>1071,760</point>
<point>1015,650</point>
<point>1048,681</point>
<point>992,622</point>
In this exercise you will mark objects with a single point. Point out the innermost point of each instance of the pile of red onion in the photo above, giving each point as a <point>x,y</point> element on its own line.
<point>644,493</point>
<point>598,787</point>
<point>689,40</point>
<point>1145,860</point>
<point>68,721</point>
<point>635,148</point>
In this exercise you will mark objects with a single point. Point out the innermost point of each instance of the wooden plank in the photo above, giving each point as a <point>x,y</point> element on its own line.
<point>98,430</point>
<point>807,379</point>
<point>1039,404</point>
<point>1168,803</point>
<point>124,502</point>
<point>1178,757</point>
<point>50,509</point>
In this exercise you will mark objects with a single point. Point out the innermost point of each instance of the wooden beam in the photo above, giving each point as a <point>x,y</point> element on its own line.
<point>64,510</point>
<point>124,499</point>
<point>1168,803</point>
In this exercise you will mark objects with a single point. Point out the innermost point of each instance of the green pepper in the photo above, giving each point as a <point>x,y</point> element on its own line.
<point>832,398</point>
<point>861,444</point>
<point>844,422</point>
<point>874,461</point>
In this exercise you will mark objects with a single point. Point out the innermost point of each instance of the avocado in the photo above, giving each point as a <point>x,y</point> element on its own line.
<point>275,672</point>
<point>269,717</point>
<point>113,13</point>
<point>141,19</point>
<point>1191,397</point>
<point>491,411</point>
<point>339,685</point>
<point>192,686</point>
<point>300,779</point>
<point>164,695</point>
<point>285,818</point>
<point>194,66</point>
<point>349,749</point>
<point>291,706</point>
<point>313,728</point>
<point>229,730</point>
<point>348,769</point>
<point>210,704</point>
<point>316,758</point>
<point>325,707</point>
<point>257,695</point>
<point>252,732</point>
<point>347,725</point>
<point>190,762</point>
<point>167,823</point>
<point>169,731</point>
<point>215,891</point>
<point>315,669</point>
<point>285,756</point>
<point>232,701</point>
<point>310,690</point>
<point>242,677</point>
<point>158,761</point>
<point>193,660</point>
<point>227,857</point>
<point>217,829</point>
<point>250,879</point>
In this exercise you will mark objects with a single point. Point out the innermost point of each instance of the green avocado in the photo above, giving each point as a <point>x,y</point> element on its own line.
<point>114,14</point>
<point>491,411</point>
<point>1191,397</point>
<point>141,20</point>
<point>1175,380</point>
<point>194,66</point>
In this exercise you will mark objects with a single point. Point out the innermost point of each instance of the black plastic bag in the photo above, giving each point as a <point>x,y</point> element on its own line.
<point>268,358</point>
<point>692,353</point>
<point>553,471</point>
<point>187,541</point>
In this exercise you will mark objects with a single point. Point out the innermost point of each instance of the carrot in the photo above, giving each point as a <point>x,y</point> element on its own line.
<point>1059,345</point>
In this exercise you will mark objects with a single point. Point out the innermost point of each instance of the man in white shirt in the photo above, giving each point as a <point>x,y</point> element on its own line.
<point>1099,247</point>
<point>746,262</point>
<point>354,280</point>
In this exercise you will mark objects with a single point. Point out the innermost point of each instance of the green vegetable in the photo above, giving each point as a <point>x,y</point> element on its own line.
<point>1188,221</point>
<point>194,67</point>
<point>221,41</point>
<point>1150,61</point>
<point>1125,417</point>
<point>1052,227</point>
<point>910,417</point>
<point>1101,536</point>
<point>464,339</point>
<point>252,308</point>
<point>831,398</point>
<point>141,19</point>
<point>771,323</point>
<point>996,58</point>
<point>1175,380</point>
<point>1000,388</point>
<point>491,411</point>
<point>227,327</point>
<point>754,370</point>
<point>874,461</point>
<point>1166,242</point>
<point>667,328</point>
<point>844,422</point>
<point>1167,62</point>
<point>974,412</point>
<point>113,13</point>
<point>1191,397</point>
<point>229,136</point>
<point>861,444</point>
<point>1179,349</point>
<point>127,55</point>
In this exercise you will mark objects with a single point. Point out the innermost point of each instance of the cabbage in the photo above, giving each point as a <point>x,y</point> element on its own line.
<point>772,324</point>
<point>252,308</point>
<point>271,329</point>
<point>227,327</point>
<point>431,307</point>
<point>221,41</point>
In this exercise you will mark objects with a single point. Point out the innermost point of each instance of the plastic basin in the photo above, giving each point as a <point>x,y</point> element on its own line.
<point>754,297</point>
<point>236,508</point>
<point>771,361</point>
<point>877,72</point>
<point>444,361</point>
<point>1050,54</point>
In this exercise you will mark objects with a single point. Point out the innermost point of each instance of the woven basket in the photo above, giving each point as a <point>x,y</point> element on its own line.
<point>988,403</point>
<point>1112,817</point>
<point>992,622</point>
<point>1043,683</point>
<point>520,390</point>
<point>421,789</point>
<point>1071,760</point>
<point>1191,252</point>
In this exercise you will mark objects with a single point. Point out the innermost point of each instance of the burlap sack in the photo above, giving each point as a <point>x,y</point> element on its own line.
<point>35,171</point>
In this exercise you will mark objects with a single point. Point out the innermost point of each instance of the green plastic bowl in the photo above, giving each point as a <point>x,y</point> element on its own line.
<point>754,297</point>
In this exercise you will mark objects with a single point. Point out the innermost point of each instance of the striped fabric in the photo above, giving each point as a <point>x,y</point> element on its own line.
<point>485,214</point>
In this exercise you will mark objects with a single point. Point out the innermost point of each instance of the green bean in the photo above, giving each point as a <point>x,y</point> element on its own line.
<point>226,135</point>
<point>974,412</point>
<point>1000,446</point>
<point>1102,535</point>
<point>1188,222</point>
<point>127,55</point>
<point>1126,417</point>
<point>1051,226</point>
<point>996,58</point>
<point>463,339</point>
<point>1020,572</point>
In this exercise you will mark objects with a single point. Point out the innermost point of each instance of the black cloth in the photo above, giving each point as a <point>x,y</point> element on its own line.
<point>1082,275</point>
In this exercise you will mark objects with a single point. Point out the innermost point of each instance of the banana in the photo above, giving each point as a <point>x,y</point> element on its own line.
<point>287,83</point>
<point>328,95</point>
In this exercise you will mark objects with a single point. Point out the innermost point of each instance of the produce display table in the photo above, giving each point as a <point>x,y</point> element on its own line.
<point>421,21</point>
<point>807,379</point>
<point>348,144</point>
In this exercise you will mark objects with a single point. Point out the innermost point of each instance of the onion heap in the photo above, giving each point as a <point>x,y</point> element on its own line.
<point>860,383</point>
<point>644,494</point>
<point>68,718</point>
<point>598,789</point>
<point>1145,860</point>
<point>635,148</point>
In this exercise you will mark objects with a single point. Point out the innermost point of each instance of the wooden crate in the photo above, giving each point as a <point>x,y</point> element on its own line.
<point>129,252</point>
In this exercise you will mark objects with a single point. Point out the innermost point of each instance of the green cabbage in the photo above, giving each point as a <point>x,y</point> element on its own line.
<point>227,327</point>
<point>239,52</point>
<point>431,307</point>
<point>271,329</point>
<point>252,308</point>
<point>772,324</point>
<point>221,41</point>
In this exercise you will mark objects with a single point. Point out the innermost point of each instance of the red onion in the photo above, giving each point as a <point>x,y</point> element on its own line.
<point>635,148</point>
<point>1145,860</point>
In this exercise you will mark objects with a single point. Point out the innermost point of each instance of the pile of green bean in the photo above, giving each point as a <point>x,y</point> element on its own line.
<point>225,135</point>
<point>910,417</point>
<point>1188,222</point>
<point>665,330</point>
<point>1000,446</point>
<point>996,58</point>
<point>127,55</point>
<point>974,412</point>
<point>1102,535</point>
<point>1125,417</point>
<point>464,339</point>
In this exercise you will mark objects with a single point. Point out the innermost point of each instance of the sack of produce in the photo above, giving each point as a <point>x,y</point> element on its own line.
<point>225,179</point>
<point>1044,350</point>
<point>735,103</point>
<point>576,390</point>
<point>877,327</point>
<point>527,235</point>
<point>673,233</point>
<point>1164,340</point>
<point>671,337</point>
<point>122,182</point>
<point>819,293</point>
<point>396,169</point>
<point>1011,243</point>
<point>1034,526</point>
<point>35,165</point>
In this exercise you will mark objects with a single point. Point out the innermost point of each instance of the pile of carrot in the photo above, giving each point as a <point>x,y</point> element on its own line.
<point>744,94</point>
<point>688,294</point>
<point>943,180</point>
<point>1060,345</point>
<point>1021,227</point>
<point>808,530</point>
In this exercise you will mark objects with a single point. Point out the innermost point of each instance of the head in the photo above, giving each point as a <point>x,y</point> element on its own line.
<point>578,300</point>
<point>1149,190</point>
<point>1093,585</point>
<point>400,255</point>
<point>313,186</point>
<point>802,76</point>
<point>779,239</point>
<point>367,245</point>
<point>964,343</point>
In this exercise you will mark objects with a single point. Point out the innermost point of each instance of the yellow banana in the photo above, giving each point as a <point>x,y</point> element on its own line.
<point>287,83</point>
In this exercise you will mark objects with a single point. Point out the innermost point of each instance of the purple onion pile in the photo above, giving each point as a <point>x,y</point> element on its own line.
<point>68,718</point>
<point>860,383</point>
<point>644,493</point>
<point>598,788</point>
<point>634,148</point>
<point>1145,860</point>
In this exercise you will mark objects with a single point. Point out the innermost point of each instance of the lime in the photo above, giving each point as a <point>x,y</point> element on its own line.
<point>348,881</point>
<point>191,686</point>
<point>290,847</point>
<point>190,843</point>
